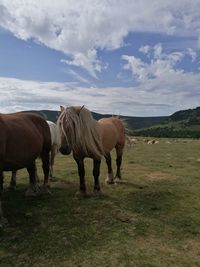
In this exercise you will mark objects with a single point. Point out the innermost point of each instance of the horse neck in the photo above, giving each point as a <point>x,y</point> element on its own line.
<point>87,139</point>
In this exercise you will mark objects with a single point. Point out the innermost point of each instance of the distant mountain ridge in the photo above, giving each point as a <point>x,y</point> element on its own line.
<point>185,114</point>
<point>183,123</point>
<point>133,123</point>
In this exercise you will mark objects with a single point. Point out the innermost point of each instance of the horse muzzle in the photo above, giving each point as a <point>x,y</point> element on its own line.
<point>65,150</point>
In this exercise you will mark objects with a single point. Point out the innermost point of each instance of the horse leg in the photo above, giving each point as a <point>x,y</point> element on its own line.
<point>96,172</point>
<point>52,157</point>
<point>3,221</point>
<point>1,181</point>
<point>81,172</point>
<point>33,188</point>
<point>45,167</point>
<point>1,192</point>
<point>119,152</point>
<point>37,177</point>
<point>1,213</point>
<point>12,185</point>
<point>110,178</point>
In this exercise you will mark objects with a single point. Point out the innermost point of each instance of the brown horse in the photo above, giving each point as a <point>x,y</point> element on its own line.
<point>24,137</point>
<point>55,144</point>
<point>86,137</point>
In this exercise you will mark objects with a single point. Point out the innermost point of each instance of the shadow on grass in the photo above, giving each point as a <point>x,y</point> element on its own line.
<point>166,206</point>
<point>52,227</point>
<point>55,228</point>
<point>149,202</point>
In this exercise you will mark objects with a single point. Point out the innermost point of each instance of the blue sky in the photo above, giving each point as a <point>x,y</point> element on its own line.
<point>118,57</point>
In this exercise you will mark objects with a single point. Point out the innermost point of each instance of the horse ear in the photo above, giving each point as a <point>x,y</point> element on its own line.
<point>62,108</point>
<point>80,109</point>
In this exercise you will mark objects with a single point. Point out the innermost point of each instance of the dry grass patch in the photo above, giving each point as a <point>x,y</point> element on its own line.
<point>160,176</point>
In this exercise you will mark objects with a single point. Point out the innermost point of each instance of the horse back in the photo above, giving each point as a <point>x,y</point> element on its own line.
<point>24,137</point>
<point>43,127</point>
<point>113,132</point>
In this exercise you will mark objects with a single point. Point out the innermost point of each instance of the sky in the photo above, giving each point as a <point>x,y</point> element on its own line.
<point>123,57</point>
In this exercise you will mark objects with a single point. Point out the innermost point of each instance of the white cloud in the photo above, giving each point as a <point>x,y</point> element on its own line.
<point>144,49</point>
<point>160,64</point>
<point>136,66</point>
<point>88,61</point>
<point>78,28</point>
<point>158,51</point>
<point>146,99</point>
<point>192,53</point>
<point>77,76</point>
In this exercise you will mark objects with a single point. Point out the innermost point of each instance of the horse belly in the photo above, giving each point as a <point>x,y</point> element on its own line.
<point>18,161</point>
<point>19,154</point>
<point>14,166</point>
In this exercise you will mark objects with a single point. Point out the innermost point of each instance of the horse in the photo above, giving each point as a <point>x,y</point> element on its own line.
<point>131,141</point>
<point>24,137</point>
<point>86,137</point>
<point>55,144</point>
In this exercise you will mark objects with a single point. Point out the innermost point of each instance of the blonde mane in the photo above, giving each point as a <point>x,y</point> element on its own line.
<point>81,131</point>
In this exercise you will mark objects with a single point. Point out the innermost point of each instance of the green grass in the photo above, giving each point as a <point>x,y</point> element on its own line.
<point>151,219</point>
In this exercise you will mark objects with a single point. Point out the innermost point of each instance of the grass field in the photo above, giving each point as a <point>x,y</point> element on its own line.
<point>151,219</point>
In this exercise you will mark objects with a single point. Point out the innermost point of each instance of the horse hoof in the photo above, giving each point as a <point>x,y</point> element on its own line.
<point>3,222</point>
<point>45,190</point>
<point>32,191</point>
<point>109,181</point>
<point>81,194</point>
<point>118,180</point>
<point>53,179</point>
<point>11,188</point>
<point>97,193</point>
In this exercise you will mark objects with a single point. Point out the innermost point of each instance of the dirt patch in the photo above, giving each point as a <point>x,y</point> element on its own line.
<point>159,176</point>
<point>192,245</point>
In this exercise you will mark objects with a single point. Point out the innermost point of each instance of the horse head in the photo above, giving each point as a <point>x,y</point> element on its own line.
<point>79,132</point>
<point>65,149</point>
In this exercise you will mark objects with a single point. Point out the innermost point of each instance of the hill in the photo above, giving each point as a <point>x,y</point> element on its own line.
<point>133,123</point>
<point>188,114</point>
<point>184,123</point>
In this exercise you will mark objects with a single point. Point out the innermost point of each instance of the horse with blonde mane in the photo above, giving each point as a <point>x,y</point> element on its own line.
<point>86,137</point>
<point>55,144</point>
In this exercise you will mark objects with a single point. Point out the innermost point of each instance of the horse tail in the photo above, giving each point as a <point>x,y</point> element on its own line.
<point>44,130</point>
<point>120,125</point>
<point>47,142</point>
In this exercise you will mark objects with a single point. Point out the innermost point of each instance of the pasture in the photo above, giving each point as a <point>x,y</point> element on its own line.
<point>151,219</point>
